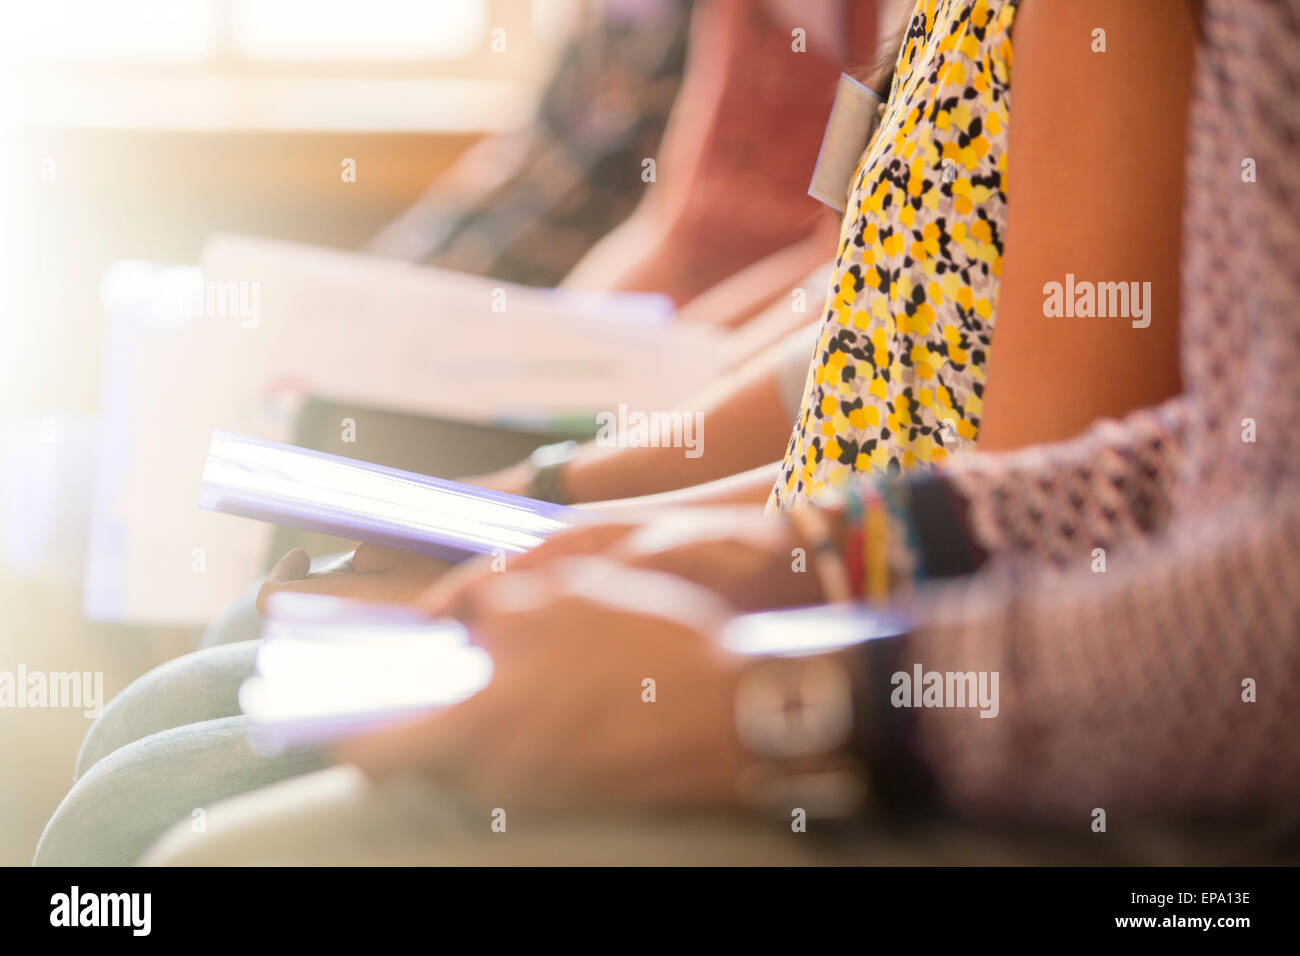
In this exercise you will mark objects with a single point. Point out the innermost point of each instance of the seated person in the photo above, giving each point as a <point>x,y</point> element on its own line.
<point>525,207</point>
<point>532,206</point>
<point>750,84</point>
<point>1200,520</point>
<point>903,343</point>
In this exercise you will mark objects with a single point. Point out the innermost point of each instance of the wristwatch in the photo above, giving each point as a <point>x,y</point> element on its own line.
<point>796,721</point>
<point>547,463</point>
<point>807,706</point>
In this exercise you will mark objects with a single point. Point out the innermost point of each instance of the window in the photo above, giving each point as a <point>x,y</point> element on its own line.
<point>349,29</point>
<point>337,64</point>
<point>123,31</point>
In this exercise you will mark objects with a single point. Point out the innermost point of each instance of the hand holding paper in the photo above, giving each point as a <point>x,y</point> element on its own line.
<point>546,733</point>
<point>370,573</point>
<point>328,668</point>
<point>383,506</point>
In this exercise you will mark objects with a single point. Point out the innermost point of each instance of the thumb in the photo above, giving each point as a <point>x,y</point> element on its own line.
<point>294,566</point>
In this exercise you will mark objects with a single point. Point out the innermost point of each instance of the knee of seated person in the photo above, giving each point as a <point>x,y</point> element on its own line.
<point>191,689</point>
<point>99,819</point>
<point>167,780</point>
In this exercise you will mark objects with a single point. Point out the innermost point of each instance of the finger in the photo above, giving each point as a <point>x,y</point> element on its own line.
<point>489,594</point>
<point>346,584</point>
<point>292,566</point>
<point>368,557</point>
<point>608,586</point>
<point>581,539</point>
<point>453,590</point>
<point>456,595</point>
<point>503,602</point>
<point>372,557</point>
<point>446,741</point>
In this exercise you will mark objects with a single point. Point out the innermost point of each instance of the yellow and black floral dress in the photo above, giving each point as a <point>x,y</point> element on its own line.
<point>897,380</point>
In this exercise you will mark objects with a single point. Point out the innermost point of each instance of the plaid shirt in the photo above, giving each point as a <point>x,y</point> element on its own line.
<point>563,183</point>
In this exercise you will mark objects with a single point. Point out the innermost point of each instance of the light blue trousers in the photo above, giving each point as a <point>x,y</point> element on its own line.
<point>166,748</point>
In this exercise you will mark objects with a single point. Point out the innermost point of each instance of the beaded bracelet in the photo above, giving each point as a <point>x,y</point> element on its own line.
<point>876,527</point>
<point>882,547</point>
<point>855,555</point>
<point>896,498</point>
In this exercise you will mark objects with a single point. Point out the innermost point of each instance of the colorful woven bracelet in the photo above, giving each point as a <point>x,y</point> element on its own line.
<point>855,556</point>
<point>876,528</point>
<point>896,498</point>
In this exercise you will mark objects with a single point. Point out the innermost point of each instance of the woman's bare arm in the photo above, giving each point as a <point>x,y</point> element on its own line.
<point>1095,194</point>
<point>747,488</point>
<point>741,423</point>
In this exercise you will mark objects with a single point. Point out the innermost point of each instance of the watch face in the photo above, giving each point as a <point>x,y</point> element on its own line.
<point>794,708</point>
<point>812,630</point>
<point>548,456</point>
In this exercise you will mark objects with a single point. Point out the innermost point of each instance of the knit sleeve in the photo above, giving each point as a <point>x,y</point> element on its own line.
<point>1057,503</point>
<point>1164,684</point>
<point>1046,505</point>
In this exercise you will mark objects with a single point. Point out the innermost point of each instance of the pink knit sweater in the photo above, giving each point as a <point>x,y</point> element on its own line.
<point>1128,689</point>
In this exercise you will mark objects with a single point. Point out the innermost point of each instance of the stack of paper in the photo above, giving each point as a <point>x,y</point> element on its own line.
<point>366,502</point>
<point>392,334</point>
<point>328,669</point>
<point>236,345</point>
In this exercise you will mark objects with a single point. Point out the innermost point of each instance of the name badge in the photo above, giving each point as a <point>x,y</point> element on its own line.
<point>848,131</point>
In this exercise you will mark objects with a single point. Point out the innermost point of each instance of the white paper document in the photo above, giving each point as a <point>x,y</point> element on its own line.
<point>237,344</point>
<point>328,668</point>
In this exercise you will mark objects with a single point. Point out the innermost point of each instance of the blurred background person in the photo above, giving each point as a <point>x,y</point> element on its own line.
<point>526,205</point>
